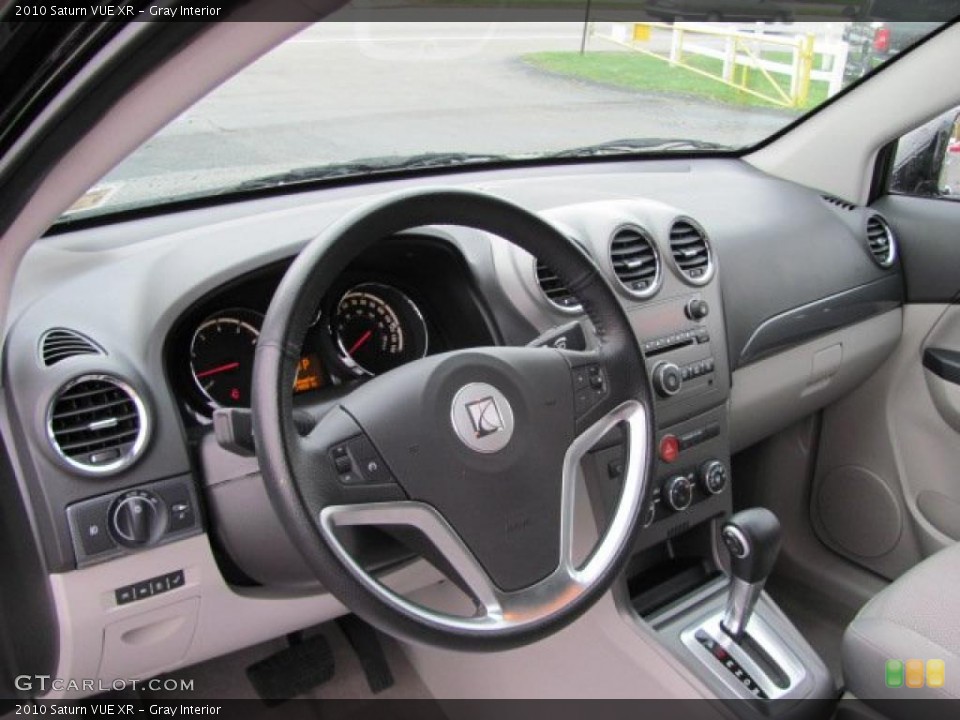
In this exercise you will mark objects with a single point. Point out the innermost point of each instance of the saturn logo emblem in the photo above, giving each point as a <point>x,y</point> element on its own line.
<point>482,417</point>
<point>485,416</point>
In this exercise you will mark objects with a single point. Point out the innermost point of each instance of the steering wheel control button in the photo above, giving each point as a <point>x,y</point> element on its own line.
<point>669,448</point>
<point>482,417</point>
<point>589,387</point>
<point>357,462</point>
<point>678,492</point>
<point>667,379</point>
<point>713,477</point>
<point>735,541</point>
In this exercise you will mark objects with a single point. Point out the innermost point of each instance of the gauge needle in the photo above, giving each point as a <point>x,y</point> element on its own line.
<point>218,369</point>
<point>360,342</point>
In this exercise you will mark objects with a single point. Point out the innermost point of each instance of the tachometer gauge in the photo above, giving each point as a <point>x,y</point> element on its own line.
<point>377,328</point>
<point>221,356</point>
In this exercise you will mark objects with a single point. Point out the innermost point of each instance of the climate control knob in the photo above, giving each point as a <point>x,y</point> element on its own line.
<point>667,379</point>
<point>137,518</point>
<point>713,476</point>
<point>678,493</point>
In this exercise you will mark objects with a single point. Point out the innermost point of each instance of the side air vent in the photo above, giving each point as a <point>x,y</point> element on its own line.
<point>636,261</point>
<point>839,202</point>
<point>555,291</point>
<point>59,344</point>
<point>691,252</point>
<point>883,245</point>
<point>97,424</point>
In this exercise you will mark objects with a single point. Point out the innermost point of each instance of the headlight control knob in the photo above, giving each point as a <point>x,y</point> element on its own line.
<point>137,518</point>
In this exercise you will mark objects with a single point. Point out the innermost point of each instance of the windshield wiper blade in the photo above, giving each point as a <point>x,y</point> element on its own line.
<point>367,166</point>
<point>638,145</point>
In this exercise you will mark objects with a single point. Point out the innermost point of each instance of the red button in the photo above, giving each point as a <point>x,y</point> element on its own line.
<point>669,448</point>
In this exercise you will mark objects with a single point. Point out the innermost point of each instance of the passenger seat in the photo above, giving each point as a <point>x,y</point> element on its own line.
<point>916,618</point>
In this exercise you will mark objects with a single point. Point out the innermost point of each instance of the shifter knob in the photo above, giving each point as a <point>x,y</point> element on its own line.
<point>753,539</point>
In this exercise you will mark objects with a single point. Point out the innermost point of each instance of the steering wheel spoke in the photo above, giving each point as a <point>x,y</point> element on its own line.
<point>522,607</point>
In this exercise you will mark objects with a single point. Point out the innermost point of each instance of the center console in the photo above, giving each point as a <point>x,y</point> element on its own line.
<point>697,574</point>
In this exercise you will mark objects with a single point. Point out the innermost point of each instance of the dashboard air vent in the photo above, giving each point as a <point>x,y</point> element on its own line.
<point>554,289</point>
<point>59,344</point>
<point>691,252</point>
<point>883,245</point>
<point>636,261</point>
<point>839,202</point>
<point>97,424</point>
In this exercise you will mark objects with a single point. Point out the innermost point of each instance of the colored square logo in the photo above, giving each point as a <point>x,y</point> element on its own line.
<point>936,672</point>
<point>914,673</point>
<point>894,673</point>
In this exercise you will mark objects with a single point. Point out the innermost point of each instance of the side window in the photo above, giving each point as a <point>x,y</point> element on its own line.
<point>927,163</point>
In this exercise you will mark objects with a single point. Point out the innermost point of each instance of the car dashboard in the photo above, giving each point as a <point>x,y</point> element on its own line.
<point>755,302</point>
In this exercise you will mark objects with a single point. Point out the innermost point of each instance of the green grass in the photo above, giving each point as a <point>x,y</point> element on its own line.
<point>636,71</point>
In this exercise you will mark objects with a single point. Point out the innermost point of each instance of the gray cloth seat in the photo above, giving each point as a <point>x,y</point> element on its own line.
<point>916,617</point>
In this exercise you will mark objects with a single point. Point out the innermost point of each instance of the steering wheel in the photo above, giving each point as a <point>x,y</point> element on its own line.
<point>476,449</point>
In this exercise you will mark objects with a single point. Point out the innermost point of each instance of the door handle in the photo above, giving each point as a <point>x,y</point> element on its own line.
<point>943,363</point>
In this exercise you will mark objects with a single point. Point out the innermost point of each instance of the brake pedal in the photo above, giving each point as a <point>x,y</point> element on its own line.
<point>304,665</point>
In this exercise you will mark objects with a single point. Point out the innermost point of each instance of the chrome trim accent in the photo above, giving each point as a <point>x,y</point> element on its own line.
<point>764,635</point>
<point>498,610</point>
<point>740,604</point>
<point>342,353</point>
<point>124,460</point>
<point>214,319</point>
<point>657,279</point>
<point>711,259</point>
<point>738,534</point>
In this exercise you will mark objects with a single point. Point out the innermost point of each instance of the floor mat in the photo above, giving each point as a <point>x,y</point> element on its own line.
<point>225,677</point>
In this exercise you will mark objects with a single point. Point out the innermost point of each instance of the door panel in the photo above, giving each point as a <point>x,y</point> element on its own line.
<point>886,492</point>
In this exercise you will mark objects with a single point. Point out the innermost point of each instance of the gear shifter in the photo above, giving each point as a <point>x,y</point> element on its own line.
<point>753,539</point>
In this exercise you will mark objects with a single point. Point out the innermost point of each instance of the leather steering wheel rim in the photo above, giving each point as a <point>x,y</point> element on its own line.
<point>519,599</point>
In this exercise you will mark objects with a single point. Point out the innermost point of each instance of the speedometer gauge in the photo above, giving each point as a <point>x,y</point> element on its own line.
<point>221,356</point>
<point>377,328</point>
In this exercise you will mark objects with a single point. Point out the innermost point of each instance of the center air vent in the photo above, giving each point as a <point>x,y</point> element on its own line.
<point>691,252</point>
<point>883,245</point>
<point>97,424</point>
<point>636,261</point>
<point>556,292</point>
<point>59,344</point>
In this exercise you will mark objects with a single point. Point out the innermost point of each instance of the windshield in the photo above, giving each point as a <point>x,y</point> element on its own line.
<point>344,100</point>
